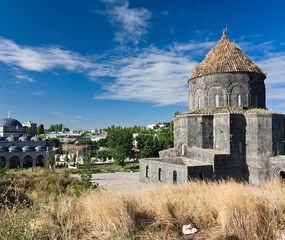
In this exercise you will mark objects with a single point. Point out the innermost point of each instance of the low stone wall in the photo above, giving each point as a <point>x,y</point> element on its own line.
<point>151,175</point>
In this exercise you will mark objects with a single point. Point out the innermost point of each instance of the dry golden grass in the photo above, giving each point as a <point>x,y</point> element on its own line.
<point>224,210</point>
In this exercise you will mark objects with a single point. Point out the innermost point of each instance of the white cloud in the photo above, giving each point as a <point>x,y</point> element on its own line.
<point>194,46</point>
<point>23,76</point>
<point>274,64</point>
<point>153,75</point>
<point>41,58</point>
<point>132,23</point>
<point>149,75</point>
<point>38,93</point>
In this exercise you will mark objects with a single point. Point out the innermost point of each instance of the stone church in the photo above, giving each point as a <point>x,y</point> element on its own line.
<point>227,131</point>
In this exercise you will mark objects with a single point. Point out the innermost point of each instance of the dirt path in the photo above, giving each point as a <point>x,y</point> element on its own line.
<point>118,182</point>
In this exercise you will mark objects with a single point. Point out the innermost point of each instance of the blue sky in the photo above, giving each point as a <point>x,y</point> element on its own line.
<point>90,64</point>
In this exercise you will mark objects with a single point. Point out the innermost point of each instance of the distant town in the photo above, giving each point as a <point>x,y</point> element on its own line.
<point>29,144</point>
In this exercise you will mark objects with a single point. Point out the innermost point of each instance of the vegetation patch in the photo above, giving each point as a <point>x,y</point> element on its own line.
<point>219,210</point>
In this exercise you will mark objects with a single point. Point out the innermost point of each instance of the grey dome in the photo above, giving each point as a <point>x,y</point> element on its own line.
<point>10,122</point>
<point>3,149</point>
<point>40,148</point>
<point>27,149</point>
<point>14,149</point>
<point>11,139</point>
<point>24,138</point>
<point>36,139</point>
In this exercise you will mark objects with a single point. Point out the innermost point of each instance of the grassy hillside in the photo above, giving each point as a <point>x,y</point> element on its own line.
<point>224,210</point>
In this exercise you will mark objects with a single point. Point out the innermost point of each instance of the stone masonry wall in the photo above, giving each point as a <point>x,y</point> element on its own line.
<point>227,86</point>
<point>167,170</point>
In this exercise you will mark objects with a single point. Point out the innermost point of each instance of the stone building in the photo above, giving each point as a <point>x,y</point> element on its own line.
<point>32,126</point>
<point>227,131</point>
<point>18,150</point>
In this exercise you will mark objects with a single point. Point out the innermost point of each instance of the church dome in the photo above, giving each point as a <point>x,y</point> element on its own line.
<point>3,149</point>
<point>24,138</point>
<point>36,139</point>
<point>225,57</point>
<point>10,122</point>
<point>40,148</point>
<point>14,149</point>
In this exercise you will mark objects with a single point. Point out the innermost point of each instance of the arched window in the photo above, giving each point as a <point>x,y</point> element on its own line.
<point>147,171</point>
<point>182,149</point>
<point>174,177</point>
<point>256,100</point>
<point>217,101</point>
<point>159,174</point>
<point>199,102</point>
<point>277,148</point>
<point>282,175</point>
<point>240,147</point>
<point>239,100</point>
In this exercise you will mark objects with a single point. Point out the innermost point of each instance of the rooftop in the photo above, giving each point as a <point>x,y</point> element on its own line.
<point>225,57</point>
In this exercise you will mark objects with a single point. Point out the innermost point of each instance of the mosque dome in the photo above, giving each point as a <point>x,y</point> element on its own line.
<point>36,139</point>
<point>40,148</point>
<point>24,138</point>
<point>10,122</point>
<point>11,139</point>
<point>14,149</point>
<point>3,149</point>
<point>27,149</point>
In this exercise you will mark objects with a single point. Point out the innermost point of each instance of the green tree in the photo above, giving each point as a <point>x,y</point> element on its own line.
<point>49,161</point>
<point>104,154</point>
<point>2,167</point>
<point>85,175</point>
<point>84,141</point>
<point>66,158</point>
<point>29,130</point>
<point>66,129</point>
<point>120,140</point>
<point>57,158</point>
<point>103,142</point>
<point>74,157</point>
<point>55,141</point>
<point>40,129</point>
<point>148,144</point>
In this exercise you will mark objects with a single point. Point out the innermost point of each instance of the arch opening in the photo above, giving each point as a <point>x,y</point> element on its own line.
<point>28,162</point>
<point>2,162</point>
<point>199,103</point>
<point>217,101</point>
<point>282,175</point>
<point>40,161</point>
<point>14,162</point>
<point>239,100</point>
<point>174,177</point>
<point>159,174</point>
<point>147,171</point>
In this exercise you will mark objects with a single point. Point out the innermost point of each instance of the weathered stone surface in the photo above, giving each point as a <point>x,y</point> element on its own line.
<point>244,145</point>
<point>227,86</point>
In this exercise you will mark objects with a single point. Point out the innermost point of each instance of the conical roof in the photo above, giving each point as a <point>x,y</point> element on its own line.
<point>225,57</point>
